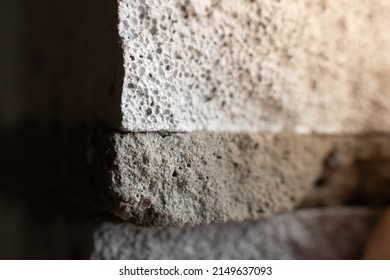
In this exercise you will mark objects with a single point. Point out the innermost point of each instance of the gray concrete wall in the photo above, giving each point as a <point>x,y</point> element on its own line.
<point>256,83</point>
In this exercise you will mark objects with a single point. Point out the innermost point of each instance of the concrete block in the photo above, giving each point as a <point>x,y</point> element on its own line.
<point>199,178</point>
<point>189,65</point>
<point>302,66</point>
<point>327,233</point>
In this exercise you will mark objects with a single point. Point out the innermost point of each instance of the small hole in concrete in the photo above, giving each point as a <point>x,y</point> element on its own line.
<point>331,161</point>
<point>320,183</point>
<point>174,174</point>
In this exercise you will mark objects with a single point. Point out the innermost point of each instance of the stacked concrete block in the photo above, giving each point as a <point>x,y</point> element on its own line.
<point>215,110</point>
<point>233,75</point>
<point>280,99</point>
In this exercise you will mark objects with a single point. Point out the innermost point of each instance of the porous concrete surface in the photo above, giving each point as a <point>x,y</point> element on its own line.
<point>222,65</point>
<point>199,178</point>
<point>328,233</point>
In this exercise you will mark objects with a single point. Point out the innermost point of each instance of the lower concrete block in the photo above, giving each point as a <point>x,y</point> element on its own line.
<point>328,233</point>
<point>190,179</point>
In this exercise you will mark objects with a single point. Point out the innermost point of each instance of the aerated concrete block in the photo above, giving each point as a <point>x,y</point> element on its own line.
<point>338,233</point>
<point>189,65</point>
<point>302,66</point>
<point>200,178</point>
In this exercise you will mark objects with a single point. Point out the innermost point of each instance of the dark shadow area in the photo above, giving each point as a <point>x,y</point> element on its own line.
<point>44,179</point>
<point>74,64</point>
<point>61,74</point>
<point>355,173</point>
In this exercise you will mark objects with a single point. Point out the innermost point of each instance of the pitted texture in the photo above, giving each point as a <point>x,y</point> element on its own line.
<point>224,65</point>
<point>200,178</point>
<point>338,233</point>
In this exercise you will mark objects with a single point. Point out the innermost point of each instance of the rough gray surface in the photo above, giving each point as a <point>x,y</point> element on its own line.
<point>224,65</point>
<point>199,178</point>
<point>338,233</point>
